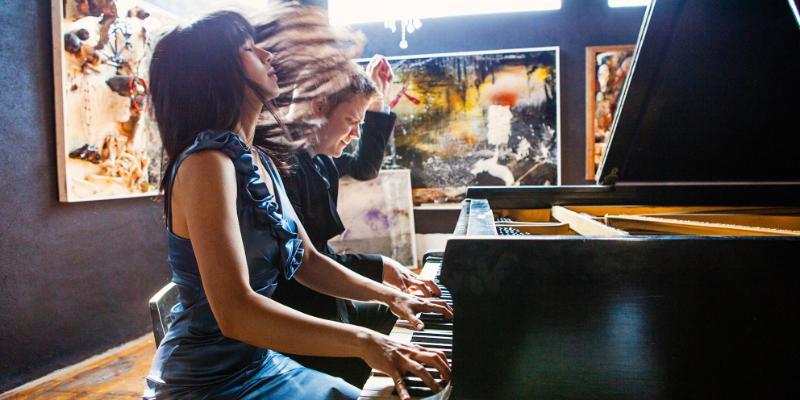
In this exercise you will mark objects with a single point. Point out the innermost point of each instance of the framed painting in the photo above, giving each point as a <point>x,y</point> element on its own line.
<point>107,144</point>
<point>476,118</point>
<point>606,70</point>
<point>378,216</point>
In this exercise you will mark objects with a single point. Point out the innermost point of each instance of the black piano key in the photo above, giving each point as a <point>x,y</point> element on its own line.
<point>430,315</point>
<point>436,340</point>
<point>444,326</point>
<point>448,351</point>
<point>430,323</point>
<point>433,343</point>
<point>439,332</point>
<point>434,334</point>
<point>438,318</point>
<point>413,381</point>
<point>433,318</point>
<point>433,371</point>
<point>417,388</point>
<point>429,339</point>
<point>445,348</point>
<point>417,392</point>
<point>432,339</point>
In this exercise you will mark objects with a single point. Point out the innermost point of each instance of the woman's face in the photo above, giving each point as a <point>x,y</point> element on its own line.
<point>343,124</point>
<point>257,68</point>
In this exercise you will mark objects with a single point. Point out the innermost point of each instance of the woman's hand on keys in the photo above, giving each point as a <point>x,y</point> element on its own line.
<point>397,359</point>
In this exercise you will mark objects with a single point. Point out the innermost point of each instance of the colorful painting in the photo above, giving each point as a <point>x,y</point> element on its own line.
<point>108,145</point>
<point>478,118</point>
<point>378,216</point>
<point>606,70</point>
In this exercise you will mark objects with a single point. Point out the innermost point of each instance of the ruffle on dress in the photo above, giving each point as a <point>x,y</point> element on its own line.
<point>254,189</point>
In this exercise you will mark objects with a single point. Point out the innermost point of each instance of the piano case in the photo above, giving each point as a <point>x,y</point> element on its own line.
<point>679,275</point>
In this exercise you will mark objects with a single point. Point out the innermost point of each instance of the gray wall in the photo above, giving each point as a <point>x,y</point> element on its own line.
<point>578,24</point>
<point>74,278</point>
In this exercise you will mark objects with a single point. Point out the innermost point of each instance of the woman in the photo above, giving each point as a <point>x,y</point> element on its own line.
<point>232,232</point>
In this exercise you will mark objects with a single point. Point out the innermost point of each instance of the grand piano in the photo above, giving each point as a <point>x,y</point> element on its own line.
<point>677,275</point>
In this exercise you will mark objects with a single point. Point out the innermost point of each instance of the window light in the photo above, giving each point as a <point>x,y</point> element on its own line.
<point>345,12</point>
<point>628,3</point>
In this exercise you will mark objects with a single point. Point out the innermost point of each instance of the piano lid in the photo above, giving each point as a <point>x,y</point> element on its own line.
<point>713,96</point>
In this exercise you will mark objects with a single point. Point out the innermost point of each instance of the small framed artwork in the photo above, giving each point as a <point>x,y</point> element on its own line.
<point>606,70</point>
<point>378,216</point>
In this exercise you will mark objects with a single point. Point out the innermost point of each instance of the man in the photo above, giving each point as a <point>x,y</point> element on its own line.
<point>313,187</point>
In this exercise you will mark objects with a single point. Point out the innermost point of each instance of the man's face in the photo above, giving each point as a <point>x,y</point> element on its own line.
<point>343,125</point>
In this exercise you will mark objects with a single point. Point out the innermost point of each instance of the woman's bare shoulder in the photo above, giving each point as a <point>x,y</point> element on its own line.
<point>205,163</point>
<point>206,169</point>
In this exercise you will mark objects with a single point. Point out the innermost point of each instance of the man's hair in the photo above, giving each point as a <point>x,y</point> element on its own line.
<point>357,84</point>
<point>352,81</point>
<point>311,58</point>
<point>310,54</point>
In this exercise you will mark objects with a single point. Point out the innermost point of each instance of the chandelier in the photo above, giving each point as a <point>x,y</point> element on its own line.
<point>407,26</point>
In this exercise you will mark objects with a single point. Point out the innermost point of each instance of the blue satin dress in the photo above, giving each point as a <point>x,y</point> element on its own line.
<point>194,360</point>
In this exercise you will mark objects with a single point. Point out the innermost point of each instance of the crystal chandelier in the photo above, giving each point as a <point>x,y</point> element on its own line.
<point>407,26</point>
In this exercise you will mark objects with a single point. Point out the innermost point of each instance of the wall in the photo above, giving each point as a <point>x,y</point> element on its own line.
<point>74,278</point>
<point>578,24</point>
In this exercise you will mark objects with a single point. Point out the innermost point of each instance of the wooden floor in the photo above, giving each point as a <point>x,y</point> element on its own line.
<point>116,376</point>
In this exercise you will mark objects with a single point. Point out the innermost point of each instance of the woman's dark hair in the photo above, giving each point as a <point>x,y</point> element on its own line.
<point>197,80</point>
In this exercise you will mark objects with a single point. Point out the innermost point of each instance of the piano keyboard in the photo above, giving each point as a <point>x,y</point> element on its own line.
<point>438,334</point>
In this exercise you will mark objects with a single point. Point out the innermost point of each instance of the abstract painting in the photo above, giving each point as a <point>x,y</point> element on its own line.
<point>606,70</point>
<point>108,145</point>
<point>378,216</point>
<point>476,118</point>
